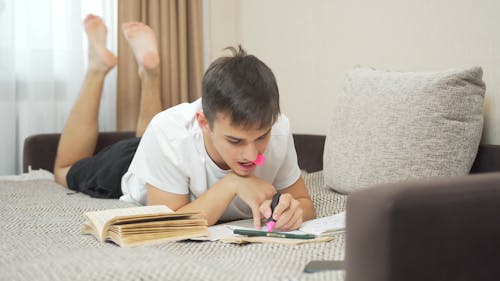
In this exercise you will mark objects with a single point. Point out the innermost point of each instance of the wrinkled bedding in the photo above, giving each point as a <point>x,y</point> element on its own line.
<point>40,239</point>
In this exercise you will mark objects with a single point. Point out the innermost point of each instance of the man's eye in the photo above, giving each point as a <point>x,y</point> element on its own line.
<point>263,137</point>
<point>233,141</point>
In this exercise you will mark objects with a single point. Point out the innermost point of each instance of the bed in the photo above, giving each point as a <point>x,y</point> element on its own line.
<point>41,230</point>
<point>41,233</point>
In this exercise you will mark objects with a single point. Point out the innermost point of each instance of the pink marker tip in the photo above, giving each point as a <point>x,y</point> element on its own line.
<point>260,160</point>
<point>270,225</point>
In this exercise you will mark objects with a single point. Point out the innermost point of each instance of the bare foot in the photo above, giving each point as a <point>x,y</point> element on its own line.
<point>143,42</point>
<point>100,58</point>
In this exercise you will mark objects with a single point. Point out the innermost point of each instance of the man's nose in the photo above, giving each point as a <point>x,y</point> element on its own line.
<point>250,152</point>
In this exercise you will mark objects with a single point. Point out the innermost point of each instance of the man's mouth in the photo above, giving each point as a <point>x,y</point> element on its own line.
<point>246,165</point>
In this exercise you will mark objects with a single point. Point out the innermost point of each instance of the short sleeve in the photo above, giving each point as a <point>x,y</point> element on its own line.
<point>289,171</point>
<point>158,159</point>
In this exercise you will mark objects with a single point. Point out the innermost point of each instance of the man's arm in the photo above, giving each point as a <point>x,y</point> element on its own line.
<point>294,208</point>
<point>252,190</point>
<point>212,203</point>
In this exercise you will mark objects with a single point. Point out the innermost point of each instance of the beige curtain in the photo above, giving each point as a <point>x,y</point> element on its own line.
<point>178,25</point>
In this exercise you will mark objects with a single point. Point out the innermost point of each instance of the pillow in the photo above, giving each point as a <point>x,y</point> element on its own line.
<point>397,126</point>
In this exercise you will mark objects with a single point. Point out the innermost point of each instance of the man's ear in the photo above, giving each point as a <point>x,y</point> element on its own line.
<point>202,121</point>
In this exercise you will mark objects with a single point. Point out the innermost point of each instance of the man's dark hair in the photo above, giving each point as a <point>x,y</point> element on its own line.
<point>242,87</point>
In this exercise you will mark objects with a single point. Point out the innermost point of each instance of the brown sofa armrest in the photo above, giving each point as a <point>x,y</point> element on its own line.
<point>40,150</point>
<point>440,229</point>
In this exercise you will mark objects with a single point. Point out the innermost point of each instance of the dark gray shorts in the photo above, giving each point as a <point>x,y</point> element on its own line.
<point>100,175</point>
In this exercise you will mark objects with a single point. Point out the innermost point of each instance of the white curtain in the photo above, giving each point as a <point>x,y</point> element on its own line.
<point>42,62</point>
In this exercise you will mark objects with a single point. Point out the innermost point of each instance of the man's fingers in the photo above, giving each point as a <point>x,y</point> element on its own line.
<point>256,217</point>
<point>289,216</point>
<point>283,205</point>
<point>294,222</point>
<point>265,209</point>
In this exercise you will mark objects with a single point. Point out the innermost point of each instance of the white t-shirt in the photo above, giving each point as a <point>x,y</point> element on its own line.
<point>172,157</point>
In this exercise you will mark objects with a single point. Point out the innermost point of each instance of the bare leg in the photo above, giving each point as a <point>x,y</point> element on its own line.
<point>79,136</point>
<point>143,42</point>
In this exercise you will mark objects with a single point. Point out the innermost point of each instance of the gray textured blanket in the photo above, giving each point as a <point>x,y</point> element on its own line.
<point>40,239</point>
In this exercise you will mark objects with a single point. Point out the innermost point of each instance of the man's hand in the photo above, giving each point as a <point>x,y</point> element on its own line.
<point>253,191</point>
<point>288,214</point>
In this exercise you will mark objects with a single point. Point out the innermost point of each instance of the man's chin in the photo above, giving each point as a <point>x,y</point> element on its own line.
<point>239,173</point>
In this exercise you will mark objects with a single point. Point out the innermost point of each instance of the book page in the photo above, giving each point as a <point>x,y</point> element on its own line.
<point>225,231</point>
<point>100,219</point>
<point>324,226</point>
<point>319,227</point>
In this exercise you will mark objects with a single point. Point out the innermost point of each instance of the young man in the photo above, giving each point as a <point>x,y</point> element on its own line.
<point>198,156</point>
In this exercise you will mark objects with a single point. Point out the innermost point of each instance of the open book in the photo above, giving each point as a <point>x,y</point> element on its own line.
<point>136,226</point>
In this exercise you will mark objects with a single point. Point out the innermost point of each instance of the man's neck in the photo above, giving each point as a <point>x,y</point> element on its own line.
<point>212,152</point>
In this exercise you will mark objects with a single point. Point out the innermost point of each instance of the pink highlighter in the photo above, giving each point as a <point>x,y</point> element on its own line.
<point>274,202</point>
<point>260,160</point>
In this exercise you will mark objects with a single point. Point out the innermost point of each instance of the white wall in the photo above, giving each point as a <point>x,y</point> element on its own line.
<point>310,44</point>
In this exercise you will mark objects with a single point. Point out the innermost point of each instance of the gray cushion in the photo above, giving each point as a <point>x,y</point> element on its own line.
<point>396,126</point>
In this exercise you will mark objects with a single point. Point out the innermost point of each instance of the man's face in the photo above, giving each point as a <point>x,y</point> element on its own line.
<point>233,147</point>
